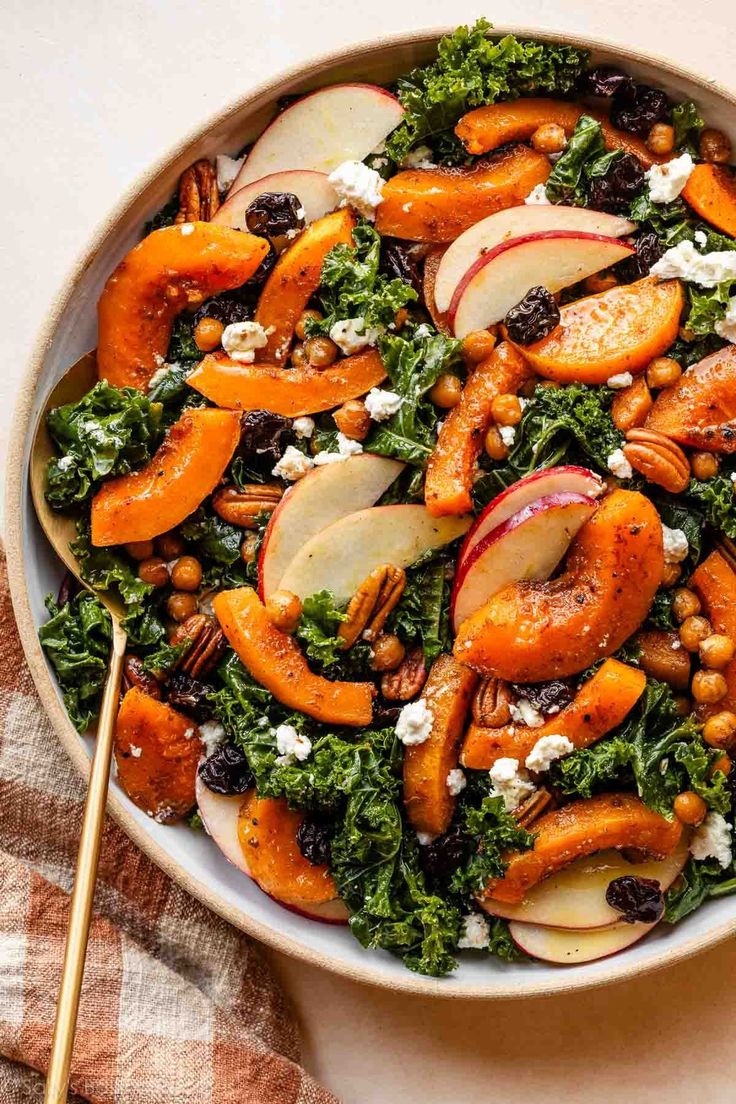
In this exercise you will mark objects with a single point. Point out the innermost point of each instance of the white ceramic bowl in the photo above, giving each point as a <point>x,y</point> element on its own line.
<point>69,330</point>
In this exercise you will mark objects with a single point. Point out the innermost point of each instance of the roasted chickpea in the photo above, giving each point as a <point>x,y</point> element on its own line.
<point>719,731</point>
<point>299,357</point>
<point>686,334</point>
<point>140,550</point>
<point>170,545</point>
<point>549,138</point>
<point>661,138</point>
<point>716,651</point>
<point>249,547</point>
<point>154,571</point>
<point>208,334</point>
<point>600,281</point>
<point>181,605</point>
<point>722,764</point>
<point>494,446</point>
<point>301,326</point>
<point>670,574</point>
<point>186,574</point>
<point>478,345</point>
<point>321,352</point>
<point>663,372</point>
<point>553,385</point>
<point>715,146</point>
<point>704,465</point>
<point>353,420</point>
<point>284,610</point>
<point>506,410</point>
<point>685,603</point>
<point>693,631</point>
<point>446,391</point>
<point>689,808</point>
<point>388,652</point>
<point>708,687</point>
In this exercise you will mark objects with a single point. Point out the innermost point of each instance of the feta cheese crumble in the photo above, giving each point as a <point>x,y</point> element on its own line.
<point>415,723</point>
<point>241,339</point>
<point>476,934</point>
<point>211,733</point>
<point>419,158</point>
<point>346,448</point>
<point>291,744</point>
<point>619,465</point>
<point>136,752</point>
<point>303,427</point>
<point>667,181</point>
<point>726,328</point>
<point>227,169</point>
<point>675,545</point>
<point>456,782</point>
<point>187,228</point>
<point>160,375</point>
<point>293,464</point>
<point>523,712</point>
<point>712,840</point>
<point>508,435</point>
<point>351,335</point>
<point>619,381</point>
<point>538,194</point>
<point>684,262</point>
<point>358,186</point>
<point>510,783</point>
<point>546,750</point>
<point>382,404</point>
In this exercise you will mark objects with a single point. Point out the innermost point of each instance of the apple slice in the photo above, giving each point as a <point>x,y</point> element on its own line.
<point>500,278</point>
<point>321,498</point>
<point>326,912</point>
<point>341,556</point>
<point>219,813</point>
<point>570,948</point>
<point>548,481</point>
<point>517,222</point>
<point>528,545</point>
<point>575,898</point>
<point>313,189</point>
<point>344,122</point>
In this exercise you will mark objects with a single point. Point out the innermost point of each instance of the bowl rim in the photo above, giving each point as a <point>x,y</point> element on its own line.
<point>567,980</point>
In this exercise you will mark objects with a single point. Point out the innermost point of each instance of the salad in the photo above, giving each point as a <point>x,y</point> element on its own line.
<point>412,459</point>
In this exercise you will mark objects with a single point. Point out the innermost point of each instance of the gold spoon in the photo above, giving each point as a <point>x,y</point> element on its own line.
<point>60,531</point>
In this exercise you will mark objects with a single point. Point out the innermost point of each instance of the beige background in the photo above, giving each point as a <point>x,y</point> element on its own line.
<point>92,90</point>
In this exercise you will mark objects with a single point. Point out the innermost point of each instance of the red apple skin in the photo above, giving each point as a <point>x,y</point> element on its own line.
<point>319,918</point>
<point>630,934</point>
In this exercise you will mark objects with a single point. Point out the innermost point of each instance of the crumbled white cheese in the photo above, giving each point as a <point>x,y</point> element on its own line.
<point>346,448</point>
<point>546,750</point>
<point>538,194</point>
<point>160,374</point>
<point>303,427</point>
<point>712,840</point>
<point>136,752</point>
<point>227,169</point>
<point>476,934</point>
<point>419,158</point>
<point>382,404</point>
<point>379,163</point>
<point>358,186</point>
<point>619,381</point>
<point>456,781</point>
<point>508,435</point>
<point>422,331</point>
<point>619,465</point>
<point>510,783</point>
<point>523,712</point>
<point>64,463</point>
<point>241,339</point>
<point>293,464</point>
<point>291,744</point>
<point>701,238</point>
<point>684,262</point>
<point>187,228</point>
<point>415,723</point>
<point>667,181</point>
<point>424,838</point>
<point>675,545</point>
<point>211,733</point>
<point>351,335</point>
<point>726,328</point>
<point>301,213</point>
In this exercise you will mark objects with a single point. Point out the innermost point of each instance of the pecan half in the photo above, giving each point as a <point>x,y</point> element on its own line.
<point>658,459</point>
<point>369,608</point>
<point>408,678</point>
<point>242,507</point>
<point>135,675</point>
<point>727,548</point>
<point>491,703</point>
<point>541,801</point>
<point>199,197</point>
<point>207,644</point>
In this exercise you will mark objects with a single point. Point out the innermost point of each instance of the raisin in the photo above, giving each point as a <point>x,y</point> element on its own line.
<point>546,697</point>
<point>533,318</point>
<point>315,841</point>
<point>605,81</point>
<point>440,859</point>
<point>614,191</point>
<point>263,438</point>
<point>190,696</point>
<point>229,307</point>
<point>226,771</point>
<point>639,900</point>
<point>275,214</point>
<point>639,108</point>
<point>264,269</point>
<point>400,262</point>
<point>648,252</point>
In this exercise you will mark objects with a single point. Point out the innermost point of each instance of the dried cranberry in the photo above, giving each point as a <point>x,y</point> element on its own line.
<point>441,858</point>
<point>399,261</point>
<point>638,109</point>
<point>229,307</point>
<point>648,252</point>
<point>385,716</point>
<point>315,841</point>
<point>263,438</point>
<point>190,696</point>
<point>639,900</point>
<point>547,697</point>
<point>226,771</point>
<point>604,80</point>
<point>533,318</point>
<point>615,191</point>
<point>275,214</point>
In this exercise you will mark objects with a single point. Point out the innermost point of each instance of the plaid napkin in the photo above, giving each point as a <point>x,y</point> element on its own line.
<point>177,1006</point>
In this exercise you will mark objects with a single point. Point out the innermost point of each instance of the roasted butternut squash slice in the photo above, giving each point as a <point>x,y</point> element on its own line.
<point>437,205</point>
<point>275,660</point>
<point>620,330</point>
<point>487,128</point>
<point>532,631</point>
<point>714,581</point>
<point>662,657</point>
<point>294,280</point>
<point>172,269</point>
<point>288,391</point>
<point>711,192</point>
<point>156,754</point>
<point>447,693</point>
<point>451,466</point>
<point>700,410</point>
<point>185,469</point>
<point>600,704</point>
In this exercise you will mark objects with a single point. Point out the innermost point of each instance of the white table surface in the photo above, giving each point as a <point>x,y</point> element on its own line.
<point>92,90</point>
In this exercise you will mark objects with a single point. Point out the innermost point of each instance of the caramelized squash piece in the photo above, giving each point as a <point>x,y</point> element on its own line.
<point>185,469</point>
<point>172,269</point>
<point>582,828</point>
<point>711,192</point>
<point>700,409</point>
<point>275,661</point>
<point>714,581</point>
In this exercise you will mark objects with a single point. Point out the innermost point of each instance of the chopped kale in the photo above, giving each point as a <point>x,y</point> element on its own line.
<point>317,629</point>
<point>77,639</point>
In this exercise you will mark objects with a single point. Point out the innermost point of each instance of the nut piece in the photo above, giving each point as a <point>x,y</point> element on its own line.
<point>135,675</point>
<point>530,810</point>
<point>208,644</point>
<point>491,703</point>
<point>658,459</point>
<point>199,197</point>
<point>368,609</point>
<point>727,548</point>
<point>242,507</point>
<point>408,679</point>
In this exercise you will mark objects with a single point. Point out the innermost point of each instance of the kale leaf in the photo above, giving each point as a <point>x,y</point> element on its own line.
<point>494,831</point>
<point>585,157</point>
<point>77,639</point>
<point>688,124</point>
<point>698,882</point>
<point>317,629</point>
<point>715,499</point>
<point>422,615</point>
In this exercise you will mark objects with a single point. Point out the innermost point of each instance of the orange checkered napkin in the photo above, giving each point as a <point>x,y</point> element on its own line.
<point>177,1006</point>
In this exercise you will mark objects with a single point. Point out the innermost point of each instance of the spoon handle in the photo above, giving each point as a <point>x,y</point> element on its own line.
<point>80,912</point>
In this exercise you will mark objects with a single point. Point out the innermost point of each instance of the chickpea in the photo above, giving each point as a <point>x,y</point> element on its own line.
<point>494,446</point>
<point>321,352</point>
<point>353,420</point>
<point>249,548</point>
<point>719,731</point>
<point>716,651</point>
<point>722,764</point>
<point>686,334</point>
<point>708,687</point>
<point>140,550</point>
<point>670,574</point>
<point>301,326</point>
<point>181,605</point>
<point>689,808</point>
<point>446,391</point>
<point>299,357</point>
<point>600,281</point>
<point>704,465</point>
<point>186,574</point>
<point>693,630</point>
<point>549,138</point>
<point>478,345</point>
<point>153,571</point>
<point>715,146</point>
<point>170,545</point>
<point>208,334</point>
<point>388,652</point>
<point>506,410</point>
<point>284,610</point>
<point>663,372</point>
<point>685,603</point>
<point>661,138</point>
<point>553,385</point>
